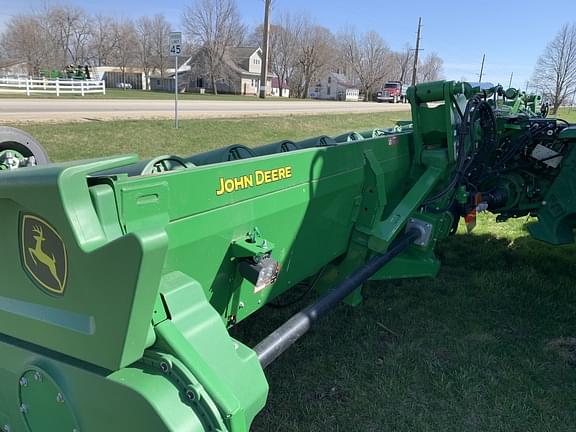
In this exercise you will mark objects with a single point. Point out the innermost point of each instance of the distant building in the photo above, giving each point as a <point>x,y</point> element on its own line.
<point>243,66</point>
<point>335,86</point>
<point>13,68</point>
<point>131,78</point>
<point>167,82</point>
<point>246,62</point>
<point>276,87</point>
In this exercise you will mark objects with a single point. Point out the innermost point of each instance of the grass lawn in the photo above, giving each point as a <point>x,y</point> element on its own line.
<point>568,114</point>
<point>82,140</point>
<point>65,141</point>
<point>142,94</point>
<point>488,345</point>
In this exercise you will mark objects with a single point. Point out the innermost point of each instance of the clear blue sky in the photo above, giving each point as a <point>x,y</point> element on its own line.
<point>512,34</point>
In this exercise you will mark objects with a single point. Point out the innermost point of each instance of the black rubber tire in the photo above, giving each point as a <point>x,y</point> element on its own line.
<point>15,139</point>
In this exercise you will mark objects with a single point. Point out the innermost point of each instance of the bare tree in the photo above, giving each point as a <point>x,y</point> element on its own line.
<point>51,38</point>
<point>431,68</point>
<point>80,38</point>
<point>124,54</point>
<point>69,28</point>
<point>214,26</point>
<point>282,47</point>
<point>555,73</point>
<point>402,62</point>
<point>160,32</point>
<point>103,40</point>
<point>315,53</point>
<point>145,54</point>
<point>368,57</point>
<point>24,40</point>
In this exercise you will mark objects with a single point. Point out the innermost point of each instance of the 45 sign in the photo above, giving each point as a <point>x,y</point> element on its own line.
<point>175,44</point>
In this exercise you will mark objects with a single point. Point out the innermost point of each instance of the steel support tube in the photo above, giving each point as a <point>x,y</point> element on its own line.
<point>288,333</point>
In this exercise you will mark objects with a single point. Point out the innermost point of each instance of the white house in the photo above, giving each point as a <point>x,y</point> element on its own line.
<point>335,87</point>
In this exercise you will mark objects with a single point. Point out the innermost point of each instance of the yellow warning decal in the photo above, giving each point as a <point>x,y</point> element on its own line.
<point>257,178</point>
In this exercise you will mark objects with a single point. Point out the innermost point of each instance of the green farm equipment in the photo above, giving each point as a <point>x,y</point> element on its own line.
<point>122,277</point>
<point>70,72</point>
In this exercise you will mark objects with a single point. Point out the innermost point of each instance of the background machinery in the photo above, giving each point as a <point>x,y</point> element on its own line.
<point>121,277</point>
<point>70,72</point>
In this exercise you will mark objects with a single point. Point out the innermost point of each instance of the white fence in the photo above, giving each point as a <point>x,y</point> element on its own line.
<point>52,86</point>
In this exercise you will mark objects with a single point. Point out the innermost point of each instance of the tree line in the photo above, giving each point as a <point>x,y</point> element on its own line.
<point>56,36</point>
<point>301,51</point>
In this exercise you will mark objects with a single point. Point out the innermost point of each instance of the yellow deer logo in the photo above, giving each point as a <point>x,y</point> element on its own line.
<point>44,254</point>
<point>38,254</point>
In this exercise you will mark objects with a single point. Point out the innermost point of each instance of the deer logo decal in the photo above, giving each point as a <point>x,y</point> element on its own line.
<point>44,254</point>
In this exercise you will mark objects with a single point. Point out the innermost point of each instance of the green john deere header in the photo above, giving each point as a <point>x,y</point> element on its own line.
<point>121,277</point>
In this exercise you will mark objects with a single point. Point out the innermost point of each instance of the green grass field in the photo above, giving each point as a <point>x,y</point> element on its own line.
<point>66,141</point>
<point>488,345</point>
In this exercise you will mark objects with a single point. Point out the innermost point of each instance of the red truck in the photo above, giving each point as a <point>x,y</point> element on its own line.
<point>393,91</point>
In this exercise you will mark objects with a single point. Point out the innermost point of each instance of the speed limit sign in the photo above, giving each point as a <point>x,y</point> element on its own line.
<point>175,51</point>
<point>175,44</point>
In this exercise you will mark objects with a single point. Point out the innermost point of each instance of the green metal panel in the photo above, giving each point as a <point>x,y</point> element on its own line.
<point>307,216</point>
<point>195,333</point>
<point>557,217</point>
<point>102,317</point>
<point>138,397</point>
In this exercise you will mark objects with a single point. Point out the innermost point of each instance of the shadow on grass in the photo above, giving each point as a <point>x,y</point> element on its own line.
<point>473,349</point>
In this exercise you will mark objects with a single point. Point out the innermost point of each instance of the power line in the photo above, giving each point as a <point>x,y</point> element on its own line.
<point>482,68</point>
<point>265,42</point>
<point>417,50</point>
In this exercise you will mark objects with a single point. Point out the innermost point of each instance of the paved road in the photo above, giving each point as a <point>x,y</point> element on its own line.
<point>76,110</point>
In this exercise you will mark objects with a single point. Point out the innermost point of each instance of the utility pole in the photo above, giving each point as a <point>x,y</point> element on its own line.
<point>176,92</point>
<point>265,43</point>
<point>510,83</point>
<point>415,69</point>
<point>482,69</point>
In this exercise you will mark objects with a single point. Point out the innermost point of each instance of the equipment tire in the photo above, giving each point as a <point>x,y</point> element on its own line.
<point>15,139</point>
